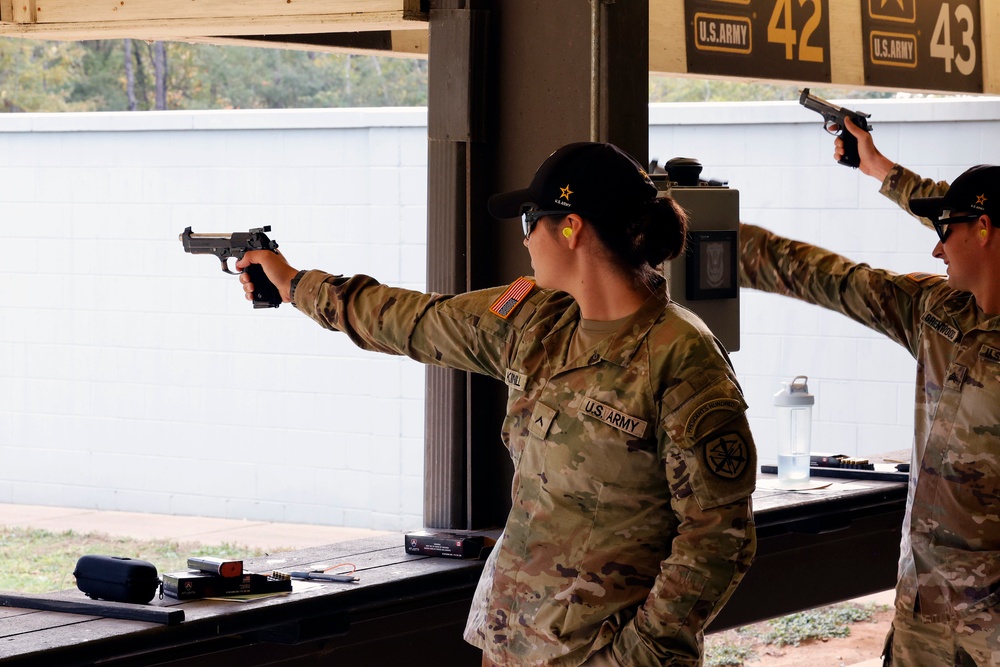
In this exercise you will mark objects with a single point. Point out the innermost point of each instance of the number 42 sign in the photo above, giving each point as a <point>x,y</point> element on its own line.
<point>771,39</point>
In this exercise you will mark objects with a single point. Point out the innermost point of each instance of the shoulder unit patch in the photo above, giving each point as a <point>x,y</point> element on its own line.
<point>512,296</point>
<point>727,455</point>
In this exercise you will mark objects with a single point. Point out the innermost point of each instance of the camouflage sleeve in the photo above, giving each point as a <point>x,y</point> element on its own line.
<point>710,463</point>
<point>447,331</point>
<point>901,185</point>
<point>881,300</point>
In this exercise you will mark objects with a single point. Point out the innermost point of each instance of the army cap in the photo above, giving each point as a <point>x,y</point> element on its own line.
<point>597,179</point>
<point>977,190</point>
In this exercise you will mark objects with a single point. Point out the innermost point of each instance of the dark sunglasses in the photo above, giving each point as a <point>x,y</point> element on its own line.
<point>530,216</point>
<point>943,224</point>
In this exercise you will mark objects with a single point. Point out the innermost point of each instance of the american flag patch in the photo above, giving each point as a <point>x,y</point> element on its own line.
<point>514,295</point>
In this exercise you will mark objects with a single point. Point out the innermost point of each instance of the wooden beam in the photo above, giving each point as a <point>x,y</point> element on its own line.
<point>123,11</point>
<point>667,38</point>
<point>847,64</point>
<point>396,43</point>
<point>991,55</point>
<point>181,28</point>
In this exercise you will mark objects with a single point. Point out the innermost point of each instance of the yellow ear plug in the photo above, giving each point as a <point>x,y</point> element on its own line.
<point>568,232</point>
<point>982,233</point>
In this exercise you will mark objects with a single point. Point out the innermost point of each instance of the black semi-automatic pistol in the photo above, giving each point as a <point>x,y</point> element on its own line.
<point>833,122</point>
<point>237,244</point>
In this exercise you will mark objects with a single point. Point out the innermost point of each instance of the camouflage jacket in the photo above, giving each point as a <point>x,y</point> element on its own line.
<point>950,553</point>
<point>631,519</point>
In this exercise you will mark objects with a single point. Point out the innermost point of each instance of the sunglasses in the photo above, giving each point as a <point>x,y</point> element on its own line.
<point>943,224</point>
<point>530,217</point>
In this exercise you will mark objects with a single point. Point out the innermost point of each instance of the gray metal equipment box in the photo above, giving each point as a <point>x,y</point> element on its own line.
<point>705,279</point>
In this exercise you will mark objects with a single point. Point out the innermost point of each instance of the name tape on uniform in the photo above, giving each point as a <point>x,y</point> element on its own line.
<point>515,380</point>
<point>946,330</point>
<point>614,418</point>
<point>990,353</point>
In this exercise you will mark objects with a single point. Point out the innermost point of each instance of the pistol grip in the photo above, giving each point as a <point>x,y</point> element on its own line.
<point>265,294</point>
<point>850,156</point>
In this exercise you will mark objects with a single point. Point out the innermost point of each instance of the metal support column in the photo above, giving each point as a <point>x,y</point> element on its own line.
<point>510,81</point>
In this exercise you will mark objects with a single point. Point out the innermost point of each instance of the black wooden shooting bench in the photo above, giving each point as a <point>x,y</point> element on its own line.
<point>815,548</point>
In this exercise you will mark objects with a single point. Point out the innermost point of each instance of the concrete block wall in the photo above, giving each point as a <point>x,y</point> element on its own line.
<point>135,377</point>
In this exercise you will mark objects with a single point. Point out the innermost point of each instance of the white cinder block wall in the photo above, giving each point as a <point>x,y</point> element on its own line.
<point>135,377</point>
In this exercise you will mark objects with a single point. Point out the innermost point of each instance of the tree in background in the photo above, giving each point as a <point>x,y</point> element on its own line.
<point>38,76</point>
<point>134,75</point>
<point>663,88</point>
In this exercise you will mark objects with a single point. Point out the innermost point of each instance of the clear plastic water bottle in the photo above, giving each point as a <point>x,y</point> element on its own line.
<point>793,405</point>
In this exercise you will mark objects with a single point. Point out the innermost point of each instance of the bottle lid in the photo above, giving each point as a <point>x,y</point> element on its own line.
<point>794,394</point>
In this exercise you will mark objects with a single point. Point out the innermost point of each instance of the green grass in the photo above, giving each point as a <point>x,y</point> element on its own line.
<point>39,561</point>
<point>736,648</point>
<point>822,623</point>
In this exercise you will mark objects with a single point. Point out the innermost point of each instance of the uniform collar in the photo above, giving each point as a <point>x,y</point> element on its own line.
<point>621,346</point>
<point>966,315</point>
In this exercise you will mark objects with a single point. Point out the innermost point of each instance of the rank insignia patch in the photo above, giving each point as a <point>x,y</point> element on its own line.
<point>727,455</point>
<point>515,294</point>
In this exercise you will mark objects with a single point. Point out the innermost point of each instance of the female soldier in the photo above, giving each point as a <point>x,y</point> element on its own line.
<point>631,520</point>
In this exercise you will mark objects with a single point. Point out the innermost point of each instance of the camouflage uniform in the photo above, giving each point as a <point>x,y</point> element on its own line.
<point>949,569</point>
<point>631,519</point>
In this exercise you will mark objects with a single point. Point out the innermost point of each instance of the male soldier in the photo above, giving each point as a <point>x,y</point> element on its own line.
<point>949,572</point>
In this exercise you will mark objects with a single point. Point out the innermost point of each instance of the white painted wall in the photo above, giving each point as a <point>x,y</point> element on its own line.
<point>135,377</point>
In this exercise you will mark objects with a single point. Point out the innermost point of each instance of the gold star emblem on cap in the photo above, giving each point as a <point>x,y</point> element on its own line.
<point>981,200</point>
<point>565,192</point>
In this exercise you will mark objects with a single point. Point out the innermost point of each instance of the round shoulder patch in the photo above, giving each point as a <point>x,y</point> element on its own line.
<point>727,455</point>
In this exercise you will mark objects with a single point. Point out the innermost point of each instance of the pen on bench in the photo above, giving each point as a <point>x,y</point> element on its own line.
<point>323,576</point>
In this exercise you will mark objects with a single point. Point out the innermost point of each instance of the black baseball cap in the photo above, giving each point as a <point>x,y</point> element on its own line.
<point>977,190</point>
<point>588,178</point>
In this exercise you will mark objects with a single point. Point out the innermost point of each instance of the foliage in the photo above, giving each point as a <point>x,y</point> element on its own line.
<point>729,655</point>
<point>38,76</point>
<point>736,648</point>
<point>664,88</point>
<point>822,623</point>
<point>120,75</point>
<point>39,561</point>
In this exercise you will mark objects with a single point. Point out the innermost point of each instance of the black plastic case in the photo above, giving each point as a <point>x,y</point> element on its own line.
<point>116,579</point>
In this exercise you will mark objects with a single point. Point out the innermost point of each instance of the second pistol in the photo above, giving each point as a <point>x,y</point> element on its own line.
<point>833,122</point>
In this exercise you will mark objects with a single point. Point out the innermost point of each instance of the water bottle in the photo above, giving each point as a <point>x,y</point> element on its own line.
<point>793,405</point>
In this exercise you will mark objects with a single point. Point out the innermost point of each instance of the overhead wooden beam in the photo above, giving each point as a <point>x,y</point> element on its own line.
<point>154,19</point>
<point>123,11</point>
<point>398,43</point>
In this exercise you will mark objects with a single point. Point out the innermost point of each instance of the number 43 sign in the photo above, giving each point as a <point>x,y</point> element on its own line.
<point>914,44</point>
<point>923,44</point>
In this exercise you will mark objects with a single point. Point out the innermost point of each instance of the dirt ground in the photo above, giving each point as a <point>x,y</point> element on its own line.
<point>863,645</point>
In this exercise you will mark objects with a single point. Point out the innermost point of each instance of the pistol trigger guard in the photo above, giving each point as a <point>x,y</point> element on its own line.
<point>225,267</point>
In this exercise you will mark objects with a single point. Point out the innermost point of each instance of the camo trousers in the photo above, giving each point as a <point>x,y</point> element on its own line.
<point>602,658</point>
<point>973,643</point>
